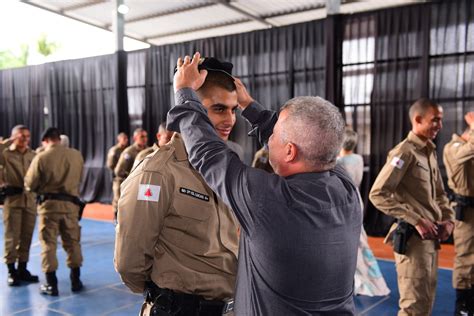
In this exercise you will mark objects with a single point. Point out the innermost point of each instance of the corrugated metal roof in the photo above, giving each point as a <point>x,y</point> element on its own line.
<point>171,21</point>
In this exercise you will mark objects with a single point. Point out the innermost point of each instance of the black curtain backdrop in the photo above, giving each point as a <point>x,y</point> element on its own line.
<point>275,65</point>
<point>372,65</point>
<point>22,100</point>
<point>81,102</point>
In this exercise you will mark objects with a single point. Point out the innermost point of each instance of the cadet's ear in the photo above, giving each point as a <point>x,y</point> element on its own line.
<point>291,152</point>
<point>418,118</point>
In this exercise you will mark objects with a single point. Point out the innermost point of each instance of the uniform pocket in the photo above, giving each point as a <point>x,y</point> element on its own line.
<point>193,208</point>
<point>421,172</point>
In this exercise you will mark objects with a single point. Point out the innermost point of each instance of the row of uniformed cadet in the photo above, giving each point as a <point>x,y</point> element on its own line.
<point>53,176</point>
<point>409,187</point>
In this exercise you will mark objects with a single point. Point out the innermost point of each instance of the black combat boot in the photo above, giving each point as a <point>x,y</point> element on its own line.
<point>462,299</point>
<point>13,279</point>
<point>51,286</point>
<point>25,275</point>
<point>76,284</point>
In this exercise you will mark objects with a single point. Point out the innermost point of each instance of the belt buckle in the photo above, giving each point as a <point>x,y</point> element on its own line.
<point>228,306</point>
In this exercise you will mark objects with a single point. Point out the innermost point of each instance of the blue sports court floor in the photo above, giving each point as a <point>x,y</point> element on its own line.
<point>105,295</point>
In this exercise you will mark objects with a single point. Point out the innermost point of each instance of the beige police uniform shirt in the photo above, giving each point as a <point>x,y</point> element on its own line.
<point>410,186</point>
<point>113,156</point>
<point>125,162</point>
<point>142,154</point>
<point>458,156</point>
<point>57,169</point>
<point>174,230</point>
<point>14,166</point>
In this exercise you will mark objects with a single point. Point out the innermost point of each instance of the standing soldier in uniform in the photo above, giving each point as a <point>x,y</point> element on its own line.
<point>125,162</point>
<point>113,156</point>
<point>19,212</point>
<point>409,188</point>
<point>458,158</point>
<point>163,136</point>
<point>175,239</point>
<point>55,175</point>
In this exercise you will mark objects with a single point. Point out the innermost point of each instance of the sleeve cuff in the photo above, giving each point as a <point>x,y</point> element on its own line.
<point>252,112</point>
<point>412,219</point>
<point>185,94</point>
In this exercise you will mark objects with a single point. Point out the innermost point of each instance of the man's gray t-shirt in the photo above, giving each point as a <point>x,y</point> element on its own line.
<point>299,237</point>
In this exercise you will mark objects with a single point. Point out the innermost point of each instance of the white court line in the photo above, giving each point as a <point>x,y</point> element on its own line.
<point>87,245</point>
<point>118,309</point>
<point>125,291</point>
<point>375,305</point>
<point>64,298</point>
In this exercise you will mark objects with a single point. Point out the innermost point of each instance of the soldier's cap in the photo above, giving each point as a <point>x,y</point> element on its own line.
<point>51,133</point>
<point>214,64</point>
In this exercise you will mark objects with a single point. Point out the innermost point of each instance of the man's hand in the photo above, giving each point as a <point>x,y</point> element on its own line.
<point>445,230</point>
<point>188,74</point>
<point>427,229</point>
<point>243,97</point>
<point>469,117</point>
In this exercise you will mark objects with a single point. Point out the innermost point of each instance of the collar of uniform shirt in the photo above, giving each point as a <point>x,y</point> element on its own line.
<point>419,143</point>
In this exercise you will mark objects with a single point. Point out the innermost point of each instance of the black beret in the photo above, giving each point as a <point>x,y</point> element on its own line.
<point>214,64</point>
<point>51,133</point>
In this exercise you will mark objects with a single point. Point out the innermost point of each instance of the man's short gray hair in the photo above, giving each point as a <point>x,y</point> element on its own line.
<point>18,128</point>
<point>316,127</point>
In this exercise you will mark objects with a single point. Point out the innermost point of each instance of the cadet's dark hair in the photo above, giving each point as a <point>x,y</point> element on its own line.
<point>51,133</point>
<point>350,139</point>
<point>218,79</point>
<point>421,106</point>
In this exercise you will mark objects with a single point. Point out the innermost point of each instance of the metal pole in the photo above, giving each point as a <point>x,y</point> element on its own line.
<point>118,26</point>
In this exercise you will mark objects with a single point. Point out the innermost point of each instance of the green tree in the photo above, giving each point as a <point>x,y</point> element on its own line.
<point>46,47</point>
<point>9,60</point>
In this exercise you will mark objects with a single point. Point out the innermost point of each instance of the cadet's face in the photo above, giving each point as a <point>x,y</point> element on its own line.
<point>431,123</point>
<point>123,140</point>
<point>141,139</point>
<point>220,105</point>
<point>22,139</point>
<point>163,137</point>
<point>276,146</point>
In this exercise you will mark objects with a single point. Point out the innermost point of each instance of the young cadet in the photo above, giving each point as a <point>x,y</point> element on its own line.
<point>125,163</point>
<point>458,158</point>
<point>409,187</point>
<point>19,211</point>
<point>55,175</point>
<point>175,239</point>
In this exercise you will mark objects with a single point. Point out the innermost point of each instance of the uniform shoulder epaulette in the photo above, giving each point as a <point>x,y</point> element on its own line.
<point>158,159</point>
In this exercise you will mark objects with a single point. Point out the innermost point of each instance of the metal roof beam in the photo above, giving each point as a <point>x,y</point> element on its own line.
<point>249,15</point>
<point>81,5</point>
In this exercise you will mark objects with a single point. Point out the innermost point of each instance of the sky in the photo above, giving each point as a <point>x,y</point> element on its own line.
<point>21,23</point>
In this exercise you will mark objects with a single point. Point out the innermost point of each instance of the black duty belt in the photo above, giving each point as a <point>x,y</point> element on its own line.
<point>10,191</point>
<point>167,302</point>
<point>41,198</point>
<point>466,201</point>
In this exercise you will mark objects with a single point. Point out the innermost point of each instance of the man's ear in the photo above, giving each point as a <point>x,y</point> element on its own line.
<point>291,152</point>
<point>418,118</point>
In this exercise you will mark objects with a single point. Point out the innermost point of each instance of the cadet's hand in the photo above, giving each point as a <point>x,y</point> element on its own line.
<point>188,74</point>
<point>469,117</point>
<point>243,97</point>
<point>427,229</point>
<point>445,230</point>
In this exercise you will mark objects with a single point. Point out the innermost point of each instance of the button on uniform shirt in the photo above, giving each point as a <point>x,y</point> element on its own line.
<point>174,230</point>
<point>458,157</point>
<point>410,186</point>
<point>113,156</point>
<point>57,169</point>
<point>15,164</point>
<point>299,236</point>
<point>125,162</point>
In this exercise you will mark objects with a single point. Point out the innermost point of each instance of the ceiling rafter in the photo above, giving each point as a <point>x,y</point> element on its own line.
<point>82,5</point>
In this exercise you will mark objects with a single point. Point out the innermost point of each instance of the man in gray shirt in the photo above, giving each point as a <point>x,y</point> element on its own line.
<point>300,226</point>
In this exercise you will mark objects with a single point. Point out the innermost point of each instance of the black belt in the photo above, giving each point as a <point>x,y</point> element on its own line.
<point>167,302</point>
<point>465,201</point>
<point>10,191</point>
<point>62,197</point>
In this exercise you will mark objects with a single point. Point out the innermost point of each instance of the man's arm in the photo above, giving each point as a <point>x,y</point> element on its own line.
<point>124,164</point>
<point>33,175</point>
<point>111,160</point>
<point>140,222</point>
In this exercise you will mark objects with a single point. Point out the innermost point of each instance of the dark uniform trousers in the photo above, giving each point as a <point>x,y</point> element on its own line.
<point>19,226</point>
<point>463,272</point>
<point>67,225</point>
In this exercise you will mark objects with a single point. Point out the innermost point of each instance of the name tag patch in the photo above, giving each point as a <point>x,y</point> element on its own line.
<point>194,194</point>
<point>148,192</point>
<point>397,162</point>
